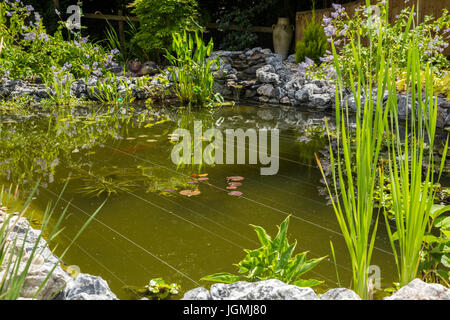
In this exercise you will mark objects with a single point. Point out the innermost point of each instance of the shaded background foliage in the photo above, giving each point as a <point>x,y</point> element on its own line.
<point>244,13</point>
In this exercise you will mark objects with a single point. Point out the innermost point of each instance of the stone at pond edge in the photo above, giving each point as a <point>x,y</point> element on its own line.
<point>263,290</point>
<point>197,294</point>
<point>85,287</point>
<point>340,294</point>
<point>88,287</point>
<point>419,290</point>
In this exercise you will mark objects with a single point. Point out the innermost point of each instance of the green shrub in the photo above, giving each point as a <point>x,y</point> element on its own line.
<point>28,51</point>
<point>314,43</point>
<point>159,19</point>
<point>274,260</point>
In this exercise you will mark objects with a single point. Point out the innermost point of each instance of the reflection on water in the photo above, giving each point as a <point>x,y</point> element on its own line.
<point>147,229</point>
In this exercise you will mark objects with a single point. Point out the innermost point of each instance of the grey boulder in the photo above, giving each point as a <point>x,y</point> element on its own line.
<point>88,287</point>
<point>263,290</point>
<point>419,290</point>
<point>340,294</point>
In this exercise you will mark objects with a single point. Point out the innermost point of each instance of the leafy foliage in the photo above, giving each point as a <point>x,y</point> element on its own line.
<point>341,27</point>
<point>314,43</point>
<point>159,19</point>
<point>435,256</point>
<point>28,51</point>
<point>157,289</point>
<point>274,260</point>
<point>192,69</point>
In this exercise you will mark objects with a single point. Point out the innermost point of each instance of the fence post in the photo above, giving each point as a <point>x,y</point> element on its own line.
<point>121,29</point>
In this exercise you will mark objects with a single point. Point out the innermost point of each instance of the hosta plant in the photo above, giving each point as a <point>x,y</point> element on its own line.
<point>275,259</point>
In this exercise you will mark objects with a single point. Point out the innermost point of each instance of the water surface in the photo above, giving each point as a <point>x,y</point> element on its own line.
<point>145,232</point>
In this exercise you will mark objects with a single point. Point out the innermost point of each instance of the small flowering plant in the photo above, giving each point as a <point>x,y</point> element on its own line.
<point>364,23</point>
<point>158,289</point>
<point>30,52</point>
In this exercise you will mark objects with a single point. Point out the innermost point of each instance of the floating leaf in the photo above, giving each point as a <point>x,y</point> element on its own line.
<point>203,179</point>
<point>190,193</point>
<point>152,140</point>
<point>231,188</point>
<point>235,184</point>
<point>235,193</point>
<point>235,178</point>
<point>131,138</point>
<point>203,175</point>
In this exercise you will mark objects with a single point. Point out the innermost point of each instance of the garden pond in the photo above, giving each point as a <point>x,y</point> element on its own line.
<point>146,228</point>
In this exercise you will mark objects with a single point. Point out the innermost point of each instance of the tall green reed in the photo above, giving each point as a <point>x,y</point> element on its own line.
<point>412,165</point>
<point>13,265</point>
<point>192,69</point>
<point>352,193</point>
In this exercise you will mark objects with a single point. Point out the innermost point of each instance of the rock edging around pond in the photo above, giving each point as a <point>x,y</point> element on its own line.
<point>277,290</point>
<point>84,287</point>
<point>255,75</point>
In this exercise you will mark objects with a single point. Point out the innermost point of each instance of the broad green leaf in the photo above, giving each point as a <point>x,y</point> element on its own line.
<point>222,277</point>
<point>307,283</point>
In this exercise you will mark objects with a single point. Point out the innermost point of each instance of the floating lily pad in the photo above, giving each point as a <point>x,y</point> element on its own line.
<point>235,184</point>
<point>231,188</point>
<point>235,178</point>
<point>190,193</point>
<point>152,140</point>
<point>131,138</point>
<point>235,193</point>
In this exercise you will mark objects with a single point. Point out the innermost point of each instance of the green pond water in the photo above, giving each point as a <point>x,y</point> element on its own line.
<point>145,232</point>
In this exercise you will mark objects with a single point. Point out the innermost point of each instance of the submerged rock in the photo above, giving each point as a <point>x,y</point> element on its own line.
<point>419,290</point>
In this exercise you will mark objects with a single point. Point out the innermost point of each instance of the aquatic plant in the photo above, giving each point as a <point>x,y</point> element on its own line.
<point>96,184</point>
<point>354,202</point>
<point>192,69</point>
<point>411,166</point>
<point>15,259</point>
<point>114,90</point>
<point>274,260</point>
<point>157,289</point>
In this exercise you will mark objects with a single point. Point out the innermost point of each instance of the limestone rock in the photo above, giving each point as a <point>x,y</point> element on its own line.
<point>266,90</point>
<point>197,294</point>
<point>340,294</point>
<point>263,290</point>
<point>88,287</point>
<point>419,290</point>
